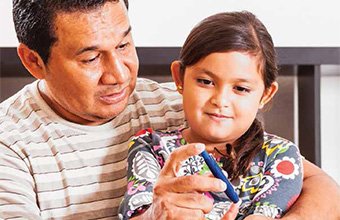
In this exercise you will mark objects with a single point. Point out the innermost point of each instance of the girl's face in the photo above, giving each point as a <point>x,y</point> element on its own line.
<point>221,96</point>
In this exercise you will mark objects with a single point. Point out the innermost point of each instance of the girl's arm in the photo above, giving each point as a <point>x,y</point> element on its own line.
<point>142,173</point>
<point>320,197</point>
<point>281,182</point>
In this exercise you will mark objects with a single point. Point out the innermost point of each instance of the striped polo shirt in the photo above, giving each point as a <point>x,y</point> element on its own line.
<point>51,168</point>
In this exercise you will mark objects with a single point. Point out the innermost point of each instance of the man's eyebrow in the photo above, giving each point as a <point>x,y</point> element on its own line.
<point>127,32</point>
<point>85,49</point>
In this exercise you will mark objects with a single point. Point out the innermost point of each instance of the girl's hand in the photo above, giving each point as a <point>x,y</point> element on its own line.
<point>232,212</point>
<point>257,217</point>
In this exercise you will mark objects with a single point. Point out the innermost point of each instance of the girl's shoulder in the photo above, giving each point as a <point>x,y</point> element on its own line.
<point>156,140</point>
<point>274,145</point>
<point>157,144</point>
<point>275,140</point>
<point>151,135</point>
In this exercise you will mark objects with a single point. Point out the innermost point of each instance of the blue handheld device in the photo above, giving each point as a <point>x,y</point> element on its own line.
<point>217,172</point>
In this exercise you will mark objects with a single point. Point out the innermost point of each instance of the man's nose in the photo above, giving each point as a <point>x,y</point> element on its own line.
<point>115,72</point>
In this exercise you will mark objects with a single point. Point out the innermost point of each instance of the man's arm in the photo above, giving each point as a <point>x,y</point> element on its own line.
<point>17,195</point>
<point>320,197</point>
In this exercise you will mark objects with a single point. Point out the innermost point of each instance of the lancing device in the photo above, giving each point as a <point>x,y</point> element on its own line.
<point>217,172</point>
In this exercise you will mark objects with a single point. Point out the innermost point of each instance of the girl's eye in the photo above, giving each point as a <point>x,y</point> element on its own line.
<point>205,81</point>
<point>242,89</point>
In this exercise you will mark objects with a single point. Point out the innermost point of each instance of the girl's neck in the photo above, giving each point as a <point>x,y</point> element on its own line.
<point>190,137</point>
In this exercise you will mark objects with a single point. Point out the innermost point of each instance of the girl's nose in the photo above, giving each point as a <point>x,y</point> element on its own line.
<point>221,99</point>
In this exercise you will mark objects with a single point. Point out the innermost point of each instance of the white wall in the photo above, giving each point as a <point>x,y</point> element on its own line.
<point>330,120</point>
<point>167,23</point>
<point>7,32</point>
<point>292,23</point>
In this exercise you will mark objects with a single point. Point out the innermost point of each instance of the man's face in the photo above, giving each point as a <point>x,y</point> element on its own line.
<point>93,66</point>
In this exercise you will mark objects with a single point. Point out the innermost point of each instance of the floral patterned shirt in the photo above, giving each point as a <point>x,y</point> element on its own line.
<point>271,186</point>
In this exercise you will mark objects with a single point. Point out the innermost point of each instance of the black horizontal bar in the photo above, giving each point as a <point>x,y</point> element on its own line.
<point>10,65</point>
<point>286,55</point>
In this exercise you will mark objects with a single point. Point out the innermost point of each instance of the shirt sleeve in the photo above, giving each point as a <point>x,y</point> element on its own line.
<point>143,171</point>
<point>17,191</point>
<point>282,179</point>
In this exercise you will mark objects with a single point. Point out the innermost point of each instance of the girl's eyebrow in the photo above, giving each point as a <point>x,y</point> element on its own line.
<point>212,75</point>
<point>244,80</point>
<point>204,70</point>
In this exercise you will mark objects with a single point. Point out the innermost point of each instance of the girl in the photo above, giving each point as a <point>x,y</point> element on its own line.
<point>227,71</point>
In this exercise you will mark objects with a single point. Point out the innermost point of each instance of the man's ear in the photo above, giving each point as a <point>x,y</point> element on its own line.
<point>32,61</point>
<point>177,75</point>
<point>269,94</point>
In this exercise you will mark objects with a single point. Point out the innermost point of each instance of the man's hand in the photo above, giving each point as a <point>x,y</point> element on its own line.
<point>181,197</point>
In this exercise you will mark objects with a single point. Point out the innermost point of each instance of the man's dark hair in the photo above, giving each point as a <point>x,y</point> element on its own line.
<point>34,20</point>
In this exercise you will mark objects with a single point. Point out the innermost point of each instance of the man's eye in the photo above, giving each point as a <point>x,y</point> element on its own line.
<point>92,59</point>
<point>242,89</point>
<point>123,46</point>
<point>205,81</point>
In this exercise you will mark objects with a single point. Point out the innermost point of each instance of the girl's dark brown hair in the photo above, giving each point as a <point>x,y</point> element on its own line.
<point>242,32</point>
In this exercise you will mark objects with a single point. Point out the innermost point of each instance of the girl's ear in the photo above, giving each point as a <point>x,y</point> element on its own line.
<point>268,94</point>
<point>32,61</point>
<point>177,75</point>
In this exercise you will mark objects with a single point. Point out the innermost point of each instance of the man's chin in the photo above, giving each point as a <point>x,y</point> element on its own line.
<point>98,120</point>
<point>103,114</point>
<point>107,116</point>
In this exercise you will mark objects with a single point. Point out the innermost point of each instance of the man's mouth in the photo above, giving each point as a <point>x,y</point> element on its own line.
<point>115,97</point>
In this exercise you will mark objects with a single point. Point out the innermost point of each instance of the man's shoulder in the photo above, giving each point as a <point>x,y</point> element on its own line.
<point>151,92</point>
<point>17,113</point>
<point>22,94</point>
<point>160,103</point>
<point>147,85</point>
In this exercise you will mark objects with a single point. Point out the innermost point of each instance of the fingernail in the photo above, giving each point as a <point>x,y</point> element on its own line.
<point>200,147</point>
<point>223,186</point>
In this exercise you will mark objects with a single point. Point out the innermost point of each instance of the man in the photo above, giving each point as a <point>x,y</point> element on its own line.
<point>63,138</point>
